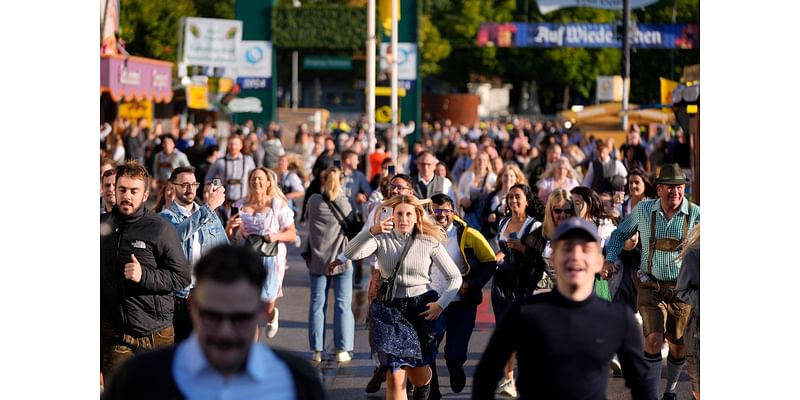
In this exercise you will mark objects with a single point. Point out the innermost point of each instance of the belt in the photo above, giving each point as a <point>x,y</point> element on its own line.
<point>233,181</point>
<point>665,291</point>
<point>668,244</point>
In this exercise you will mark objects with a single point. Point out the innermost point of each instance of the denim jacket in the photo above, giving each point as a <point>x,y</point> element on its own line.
<point>205,221</point>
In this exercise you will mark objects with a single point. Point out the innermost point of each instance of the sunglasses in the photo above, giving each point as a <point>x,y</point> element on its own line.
<point>214,319</point>
<point>444,211</point>
<point>558,211</point>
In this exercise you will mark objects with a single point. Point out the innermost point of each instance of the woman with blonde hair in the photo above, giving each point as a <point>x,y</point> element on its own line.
<point>407,244</point>
<point>325,240</point>
<point>558,175</point>
<point>473,185</point>
<point>266,213</point>
<point>688,289</point>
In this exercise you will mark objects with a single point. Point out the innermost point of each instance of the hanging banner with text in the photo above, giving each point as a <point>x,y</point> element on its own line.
<point>548,35</point>
<point>548,6</point>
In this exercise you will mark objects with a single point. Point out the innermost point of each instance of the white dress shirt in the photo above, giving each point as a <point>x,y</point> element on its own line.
<point>265,377</point>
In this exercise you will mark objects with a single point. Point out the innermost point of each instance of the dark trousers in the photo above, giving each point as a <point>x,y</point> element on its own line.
<point>458,320</point>
<point>116,347</point>
<point>181,320</point>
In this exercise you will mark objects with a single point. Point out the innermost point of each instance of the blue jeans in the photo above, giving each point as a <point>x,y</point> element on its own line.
<point>343,321</point>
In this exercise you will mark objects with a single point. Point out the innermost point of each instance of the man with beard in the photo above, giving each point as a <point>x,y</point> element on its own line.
<point>220,359</point>
<point>475,259</point>
<point>107,182</point>
<point>199,230</point>
<point>565,339</point>
<point>663,224</point>
<point>141,264</point>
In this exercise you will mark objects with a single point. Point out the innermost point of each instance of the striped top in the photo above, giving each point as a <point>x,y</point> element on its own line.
<point>665,267</point>
<point>413,278</point>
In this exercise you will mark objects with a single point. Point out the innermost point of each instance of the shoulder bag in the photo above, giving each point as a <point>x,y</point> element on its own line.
<point>349,223</point>
<point>387,286</point>
<point>263,248</point>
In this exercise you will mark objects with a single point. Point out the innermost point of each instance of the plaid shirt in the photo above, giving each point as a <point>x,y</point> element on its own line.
<point>665,265</point>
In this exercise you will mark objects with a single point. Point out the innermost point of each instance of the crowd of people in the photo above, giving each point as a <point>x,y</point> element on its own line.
<point>566,227</point>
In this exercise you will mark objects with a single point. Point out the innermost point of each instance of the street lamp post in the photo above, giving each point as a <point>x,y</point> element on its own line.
<point>370,80</point>
<point>626,62</point>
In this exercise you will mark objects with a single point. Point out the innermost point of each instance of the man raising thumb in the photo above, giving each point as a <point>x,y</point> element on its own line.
<point>133,270</point>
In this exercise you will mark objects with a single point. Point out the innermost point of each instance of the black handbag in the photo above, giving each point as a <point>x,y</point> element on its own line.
<point>349,223</point>
<point>261,246</point>
<point>387,286</point>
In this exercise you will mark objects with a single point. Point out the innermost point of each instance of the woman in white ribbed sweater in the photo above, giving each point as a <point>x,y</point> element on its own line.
<point>403,328</point>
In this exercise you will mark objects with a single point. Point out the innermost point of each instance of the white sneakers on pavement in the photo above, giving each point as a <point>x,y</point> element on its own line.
<point>316,356</point>
<point>343,356</point>
<point>508,388</point>
<point>272,326</point>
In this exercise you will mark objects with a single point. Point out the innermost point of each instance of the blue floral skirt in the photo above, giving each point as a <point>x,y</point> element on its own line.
<point>400,337</point>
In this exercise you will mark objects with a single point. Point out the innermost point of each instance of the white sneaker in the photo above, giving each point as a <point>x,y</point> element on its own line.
<point>343,356</point>
<point>508,388</point>
<point>272,326</point>
<point>316,356</point>
<point>616,368</point>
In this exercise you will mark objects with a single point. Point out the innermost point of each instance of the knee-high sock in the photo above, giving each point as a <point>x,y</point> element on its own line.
<point>654,371</point>
<point>674,368</point>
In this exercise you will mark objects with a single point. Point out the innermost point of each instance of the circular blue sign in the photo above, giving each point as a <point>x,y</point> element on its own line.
<point>254,55</point>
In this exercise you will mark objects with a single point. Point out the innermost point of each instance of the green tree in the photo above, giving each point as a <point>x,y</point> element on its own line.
<point>432,47</point>
<point>557,71</point>
<point>225,9</point>
<point>150,28</point>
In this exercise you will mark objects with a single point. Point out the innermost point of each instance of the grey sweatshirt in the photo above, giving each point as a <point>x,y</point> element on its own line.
<point>413,278</point>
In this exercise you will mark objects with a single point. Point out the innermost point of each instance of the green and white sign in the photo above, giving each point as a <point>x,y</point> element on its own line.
<point>335,63</point>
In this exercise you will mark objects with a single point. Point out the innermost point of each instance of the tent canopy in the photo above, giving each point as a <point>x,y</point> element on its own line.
<point>610,115</point>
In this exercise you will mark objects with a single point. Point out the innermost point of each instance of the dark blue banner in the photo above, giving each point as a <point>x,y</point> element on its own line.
<point>548,35</point>
<point>253,83</point>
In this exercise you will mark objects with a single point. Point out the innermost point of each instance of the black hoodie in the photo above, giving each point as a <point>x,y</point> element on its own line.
<point>142,308</point>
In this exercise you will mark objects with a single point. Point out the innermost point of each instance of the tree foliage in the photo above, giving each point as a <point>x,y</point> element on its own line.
<point>150,28</point>
<point>319,27</point>
<point>432,47</point>
<point>556,68</point>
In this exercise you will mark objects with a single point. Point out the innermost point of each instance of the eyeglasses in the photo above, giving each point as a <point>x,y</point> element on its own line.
<point>214,319</point>
<point>558,211</point>
<point>445,211</point>
<point>185,186</point>
<point>398,187</point>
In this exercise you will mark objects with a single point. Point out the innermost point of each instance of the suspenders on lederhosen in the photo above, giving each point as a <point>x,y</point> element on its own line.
<point>232,181</point>
<point>653,240</point>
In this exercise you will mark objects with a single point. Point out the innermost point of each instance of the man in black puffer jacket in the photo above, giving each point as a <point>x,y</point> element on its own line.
<point>141,264</point>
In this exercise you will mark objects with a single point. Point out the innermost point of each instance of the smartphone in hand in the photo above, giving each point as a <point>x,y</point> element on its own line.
<point>234,211</point>
<point>386,212</point>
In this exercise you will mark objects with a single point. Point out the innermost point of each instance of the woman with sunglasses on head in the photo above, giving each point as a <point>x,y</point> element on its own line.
<point>513,278</point>
<point>403,315</point>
